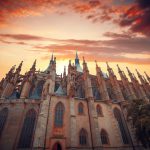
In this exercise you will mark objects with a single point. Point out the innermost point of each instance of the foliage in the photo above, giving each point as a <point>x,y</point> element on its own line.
<point>139,111</point>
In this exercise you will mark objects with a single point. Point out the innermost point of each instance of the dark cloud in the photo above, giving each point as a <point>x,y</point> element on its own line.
<point>117,35</point>
<point>137,17</point>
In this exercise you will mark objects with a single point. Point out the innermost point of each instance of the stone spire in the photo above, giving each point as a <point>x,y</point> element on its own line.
<point>148,78</point>
<point>127,87</point>
<point>140,93</point>
<point>101,83</point>
<point>85,67</point>
<point>87,80</point>
<point>8,85</point>
<point>140,77</point>
<point>28,81</point>
<point>64,74</point>
<point>52,64</point>
<point>19,68</point>
<point>77,63</point>
<point>33,68</point>
<point>115,84</point>
<point>110,71</point>
<point>130,74</point>
<point>98,69</point>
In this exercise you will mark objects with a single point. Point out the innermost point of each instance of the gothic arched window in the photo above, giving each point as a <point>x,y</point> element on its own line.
<point>27,131</point>
<point>99,110</point>
<point>119,119</point>
<point>59,112</point>
<point>104,137</point>
<point>83,137</point>
<point>3,118</point>
<point>80,108</point>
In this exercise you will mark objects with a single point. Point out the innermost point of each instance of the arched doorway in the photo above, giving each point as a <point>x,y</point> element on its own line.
<point>57,146</point>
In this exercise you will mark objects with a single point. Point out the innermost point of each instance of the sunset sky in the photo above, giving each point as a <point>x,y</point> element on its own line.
<point>117,31</point>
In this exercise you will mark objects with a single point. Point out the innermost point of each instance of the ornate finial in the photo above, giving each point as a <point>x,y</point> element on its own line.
<point>55,60</point>
<point>64,68</point>
<point>96,63</point>
<point>12,68</point>
<point>144,79</point>
<point>19,67</point>
<point>69,62</point>
<point>83,59</point>
<point>52,57</point>
<point>34,64</point>
<point>146,74</point>
<point>107,65</point>
<point>128,70</point>
<point>137,72</point>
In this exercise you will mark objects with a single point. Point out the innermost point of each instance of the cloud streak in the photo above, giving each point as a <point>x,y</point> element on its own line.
<point>115,49</point>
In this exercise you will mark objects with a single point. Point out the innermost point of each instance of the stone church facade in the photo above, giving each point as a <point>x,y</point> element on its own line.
<point>73,111</point>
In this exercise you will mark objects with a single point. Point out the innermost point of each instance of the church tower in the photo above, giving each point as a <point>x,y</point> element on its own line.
<point>77,63</point>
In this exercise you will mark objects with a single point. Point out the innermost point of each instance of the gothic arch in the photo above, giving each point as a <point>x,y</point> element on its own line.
<point>99,110</point>
<point>104,137</point>
<point>118,116</point>
<point>3,118</point>
<point>57,146</point>
<point>59,114</point>
<point>80,108</point>
<point>25,140</point>
<point>83,137</point>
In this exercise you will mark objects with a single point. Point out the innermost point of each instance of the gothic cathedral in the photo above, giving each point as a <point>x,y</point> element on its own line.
<point>74,111</point>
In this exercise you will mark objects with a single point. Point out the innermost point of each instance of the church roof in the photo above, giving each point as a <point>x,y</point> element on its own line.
<point>60,91</point>
<point>79,69</point>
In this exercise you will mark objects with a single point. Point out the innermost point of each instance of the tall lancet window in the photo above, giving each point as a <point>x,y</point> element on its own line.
<point>80,108</point>
<point>119,119</point>
<point>83,137</point>
<point>3,118</point>
<point>59,113</point>
<point>104,137</point>
<point>26,136</point>
<point>99,110</point>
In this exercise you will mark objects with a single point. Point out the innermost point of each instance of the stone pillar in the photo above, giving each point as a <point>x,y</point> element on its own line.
<point>8,90</point>
<point>26,90</point>
<point>93,121</point>
<point>41,127</point>
<point>73,125</point>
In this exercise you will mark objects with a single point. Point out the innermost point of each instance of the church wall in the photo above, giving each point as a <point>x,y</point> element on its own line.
<point>16,114</point>
<point>62,135</point>
<point>82,121</point>
<point>108,123</point>
<point>55,134</point>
